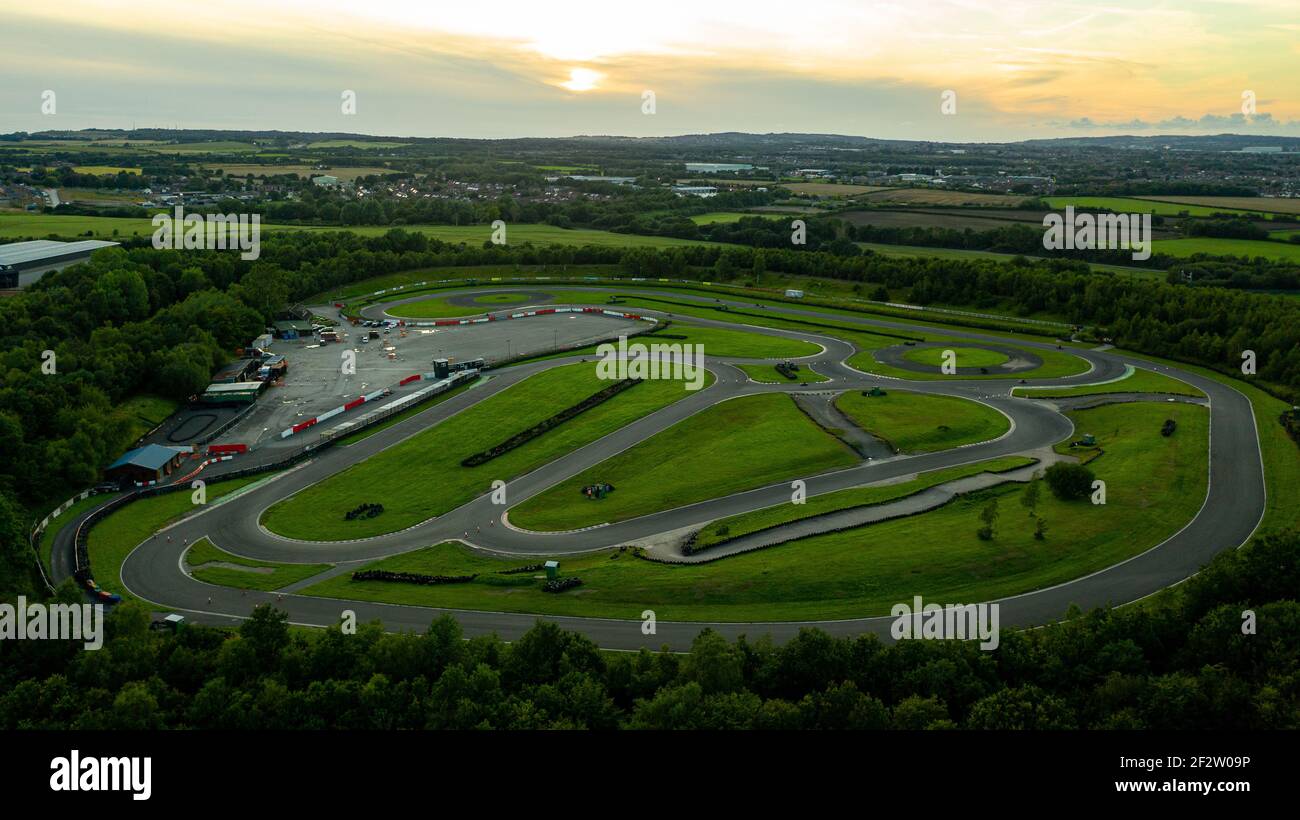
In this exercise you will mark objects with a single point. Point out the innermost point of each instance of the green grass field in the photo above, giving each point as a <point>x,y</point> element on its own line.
<point>1120,204</point>
<point>1056,363</point>
<point>734,445</point>
<point>422,477</point>
<point>112,539</point>
<point>203,556</point>
<point>16,226</point>
<point>1248,248</point>
<point>362,144</point>
<point>737,525</point>
<point>920,423</point>
<point>1138,381</point>
<point>140,414</point>
<point>1280,454</point>
<point>440,307</point>
<point>962,253</point>
<point>1155,485</point>
<point>719,216</point>
<point>717,341</point>
<point>767,374</point>
<point>963,356</point>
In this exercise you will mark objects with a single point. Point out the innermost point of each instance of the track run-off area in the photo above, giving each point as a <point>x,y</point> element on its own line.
<point>1233,506</point>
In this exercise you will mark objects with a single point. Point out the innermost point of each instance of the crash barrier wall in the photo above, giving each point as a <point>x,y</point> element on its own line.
<point>524,314</point>
<point>435,388</point>
<point>34,537</point>
<point>212,459</point>
<point>81,557</point>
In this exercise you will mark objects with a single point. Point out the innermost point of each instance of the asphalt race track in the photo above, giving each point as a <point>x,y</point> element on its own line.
<point>1233,506</point>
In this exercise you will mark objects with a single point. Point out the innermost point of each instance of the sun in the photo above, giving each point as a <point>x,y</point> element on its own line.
<point>582,79</point>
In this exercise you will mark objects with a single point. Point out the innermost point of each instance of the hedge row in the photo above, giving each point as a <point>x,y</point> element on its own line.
<point>520,439</point>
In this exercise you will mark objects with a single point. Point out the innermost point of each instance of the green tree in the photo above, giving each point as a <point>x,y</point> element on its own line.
<point>1069,481</point>
<point>1033,491</point>
<point>989,517</point>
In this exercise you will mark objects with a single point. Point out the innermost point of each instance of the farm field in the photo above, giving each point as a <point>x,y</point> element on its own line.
<point>932,196</point>
<point>694,460</point>
<point>958,220</point>
<point>362,144</point>
<point>1248,248</point>
<point>1136,205</point>
<point>39,226</point>
<point>719,216</point>
<point>922,423</point>
<point>831,189</point>
<point>1276,205</point>
<point>961,253</point>
<point>400,477</point>
<point>348,174</point>
<point>865,570</point>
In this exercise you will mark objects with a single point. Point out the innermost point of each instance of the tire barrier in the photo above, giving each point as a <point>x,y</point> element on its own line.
<point>561,584</point>
<point>364,511</point>
<point>1290,422</point>
<point>518,570</point>
<point>1168,428</point>
<point>788,369</point>
<point>520,439</point>
<point>410,577</point>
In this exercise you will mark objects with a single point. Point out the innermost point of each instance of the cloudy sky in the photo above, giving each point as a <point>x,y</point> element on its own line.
<point>503,68</point>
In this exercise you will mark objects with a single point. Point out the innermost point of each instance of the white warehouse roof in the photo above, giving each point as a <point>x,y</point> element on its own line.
<point>25,253</point>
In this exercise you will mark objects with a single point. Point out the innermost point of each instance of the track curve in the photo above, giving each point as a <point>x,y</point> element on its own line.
<point>1233,506</point>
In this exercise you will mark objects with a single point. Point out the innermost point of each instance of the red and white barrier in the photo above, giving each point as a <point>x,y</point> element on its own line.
<point>357,402</point>
<point>618,314</point>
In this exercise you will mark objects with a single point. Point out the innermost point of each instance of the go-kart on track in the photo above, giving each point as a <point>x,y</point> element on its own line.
<point>1232,509</point>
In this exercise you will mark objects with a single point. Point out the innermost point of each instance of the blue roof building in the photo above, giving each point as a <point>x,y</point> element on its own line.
<point>144,464</point>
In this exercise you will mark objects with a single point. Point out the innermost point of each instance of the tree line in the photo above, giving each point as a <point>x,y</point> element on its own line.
<point>1215,653</point>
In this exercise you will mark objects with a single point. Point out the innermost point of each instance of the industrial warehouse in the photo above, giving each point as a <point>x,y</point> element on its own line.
<point>22,263</point>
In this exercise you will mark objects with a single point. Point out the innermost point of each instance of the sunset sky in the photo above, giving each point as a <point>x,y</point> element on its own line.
<point>503,68</point>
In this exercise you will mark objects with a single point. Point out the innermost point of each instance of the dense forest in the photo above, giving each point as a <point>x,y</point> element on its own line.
<point>1185,663</point>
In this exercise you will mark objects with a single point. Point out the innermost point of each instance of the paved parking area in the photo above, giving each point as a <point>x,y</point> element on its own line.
<point>316,383</point>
